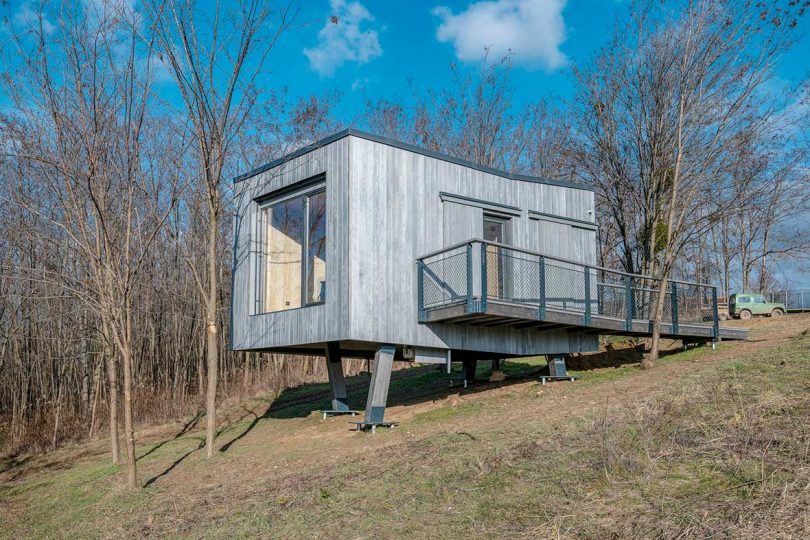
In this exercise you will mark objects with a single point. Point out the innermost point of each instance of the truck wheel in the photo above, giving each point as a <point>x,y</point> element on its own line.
<point>777,313</point>
<point>745,315</point>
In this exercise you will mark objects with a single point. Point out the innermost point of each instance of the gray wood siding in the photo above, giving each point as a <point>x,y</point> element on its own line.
<point>397,215</point>
<point>314,324</point>
<point>385,209</point>
<point>461,222</point>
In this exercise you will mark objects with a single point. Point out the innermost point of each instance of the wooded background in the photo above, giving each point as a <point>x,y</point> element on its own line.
<point>115,201</point>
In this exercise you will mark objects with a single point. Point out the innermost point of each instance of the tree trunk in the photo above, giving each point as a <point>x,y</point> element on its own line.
<point>246,375</point>
<point>763,263</point>
<point>85,377</point>
<point>55,437</point>
<point>112,379</point>
<point>129,431</point>
<point>211,336</point>
<point>649,359</point>
<point>96,393</point>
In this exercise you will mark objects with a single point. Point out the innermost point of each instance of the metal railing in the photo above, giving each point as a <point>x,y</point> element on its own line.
<point>794,299</point>
<point>476,272</point>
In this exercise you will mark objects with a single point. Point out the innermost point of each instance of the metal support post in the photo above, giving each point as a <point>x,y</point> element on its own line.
<point>484,292</point>
<point>541,269</point>
<point>673,297</point>
<point>378,386</point>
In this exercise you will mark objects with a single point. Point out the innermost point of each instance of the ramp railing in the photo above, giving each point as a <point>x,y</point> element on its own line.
<point>478,272</point>
<point>794,299</point>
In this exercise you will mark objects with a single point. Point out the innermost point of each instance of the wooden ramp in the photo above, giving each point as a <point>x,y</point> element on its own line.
<point>481,283</point>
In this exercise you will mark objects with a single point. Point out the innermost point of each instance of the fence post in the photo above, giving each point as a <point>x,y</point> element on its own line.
<point>469,307</point>
<point>586,320</point>
<point>629,300</point>
<point>484,292</point>
<point>541,270</point>
<point>420,289</point>
<point>673,297</point>
<point>716,315</point>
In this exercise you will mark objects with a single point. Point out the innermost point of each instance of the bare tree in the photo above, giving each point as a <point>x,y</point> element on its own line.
<point>82,102</point>
<point>476,118</point>
<point>661,111</point>
<point>214,65</point>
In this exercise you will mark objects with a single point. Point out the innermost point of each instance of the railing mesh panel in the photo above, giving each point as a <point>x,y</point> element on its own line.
<point>445,279</point>
<point>512,276</point>
<point>611,294</point>
<point>565,287</point>
<point>795,300</point>
<point>532,279</point>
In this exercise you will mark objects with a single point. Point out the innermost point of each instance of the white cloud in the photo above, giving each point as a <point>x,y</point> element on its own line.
<point>157,68</point>
<point>341,39</point>
<point>532,30</point>
<point>27,18</point>
<point>362,83</point>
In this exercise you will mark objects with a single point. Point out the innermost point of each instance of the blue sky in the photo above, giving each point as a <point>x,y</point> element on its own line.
<point>418,39</point>
<point>389,48</point>
<point>382,48</point>
<point>379,46</point>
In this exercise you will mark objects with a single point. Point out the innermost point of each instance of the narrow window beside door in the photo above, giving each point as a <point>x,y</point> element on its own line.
<point>494,232</point>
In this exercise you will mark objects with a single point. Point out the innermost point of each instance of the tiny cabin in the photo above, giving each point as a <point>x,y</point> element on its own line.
<point>361,246</point>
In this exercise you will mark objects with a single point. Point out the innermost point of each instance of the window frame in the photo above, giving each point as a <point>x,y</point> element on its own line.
<point>265,203</point>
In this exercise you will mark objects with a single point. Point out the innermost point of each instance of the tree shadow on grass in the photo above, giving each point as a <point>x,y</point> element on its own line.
<point>14,461</point>
<point>408,386</point>
<point>182,458</point>
<point>176,462</point>
<point>188,426</point>
<point>612,358</point>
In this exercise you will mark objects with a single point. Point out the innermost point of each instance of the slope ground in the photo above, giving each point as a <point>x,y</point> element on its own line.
<point>709,443</point>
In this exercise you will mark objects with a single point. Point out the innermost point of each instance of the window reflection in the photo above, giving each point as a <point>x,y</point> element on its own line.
<point>294,252</point>
<point>316,262</point>
<point>284,238</point>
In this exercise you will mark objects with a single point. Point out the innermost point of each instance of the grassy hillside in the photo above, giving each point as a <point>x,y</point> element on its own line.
<point>710,443</point>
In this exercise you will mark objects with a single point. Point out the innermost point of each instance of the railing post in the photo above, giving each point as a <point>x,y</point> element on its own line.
<point>484,292</point>
<point>541,269</point>
<point>629,300</point>
<point>469,307</point>
<point>586,320</point>
<point>420,289</point>
<point>673,297</point>
<point>600,293</point>
<point>716,315</point>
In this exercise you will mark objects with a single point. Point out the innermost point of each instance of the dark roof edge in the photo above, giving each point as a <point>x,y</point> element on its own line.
<point>411,148</point>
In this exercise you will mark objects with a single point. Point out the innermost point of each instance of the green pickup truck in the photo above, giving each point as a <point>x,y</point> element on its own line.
<point>745,305</point>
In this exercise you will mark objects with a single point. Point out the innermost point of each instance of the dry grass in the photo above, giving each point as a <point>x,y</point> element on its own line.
<point>268,374</point>
<point>709,444</point>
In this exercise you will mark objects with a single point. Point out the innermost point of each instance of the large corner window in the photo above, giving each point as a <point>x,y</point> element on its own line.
<point>293,258</point>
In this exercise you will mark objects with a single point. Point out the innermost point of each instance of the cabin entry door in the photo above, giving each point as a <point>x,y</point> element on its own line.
<point>494,231</point>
